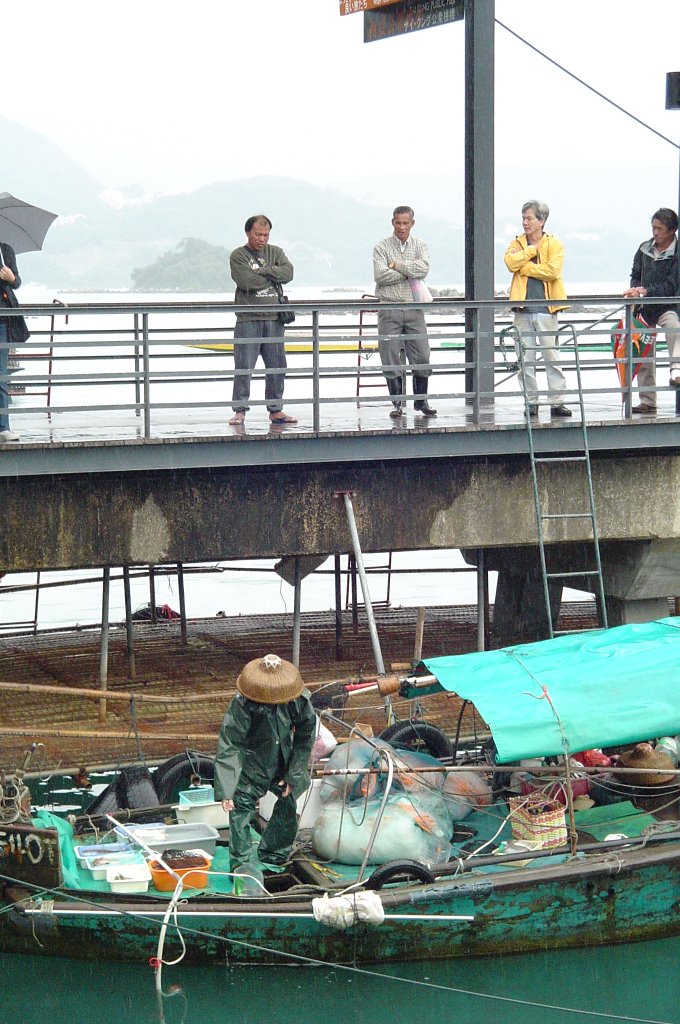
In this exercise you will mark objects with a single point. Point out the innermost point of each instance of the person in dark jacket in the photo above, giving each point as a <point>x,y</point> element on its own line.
<point>264,745</point>
<point>655,274</point>
<point>12,331</point>
<point>257,269</point>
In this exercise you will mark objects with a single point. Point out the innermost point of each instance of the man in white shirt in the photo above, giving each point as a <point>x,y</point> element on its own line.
<point>397,262</point>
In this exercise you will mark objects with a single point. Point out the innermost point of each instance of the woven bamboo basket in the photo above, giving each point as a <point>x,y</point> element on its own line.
<point>538,819</point>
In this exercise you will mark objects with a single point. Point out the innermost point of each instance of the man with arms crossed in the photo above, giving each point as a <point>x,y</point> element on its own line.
<point>396,261</point>
<point>257,267</point>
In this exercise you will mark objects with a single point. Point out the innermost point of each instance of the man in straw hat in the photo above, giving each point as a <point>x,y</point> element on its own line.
<point>265,742</point>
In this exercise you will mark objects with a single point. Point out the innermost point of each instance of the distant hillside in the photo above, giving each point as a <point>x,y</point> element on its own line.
<point>96,244</point>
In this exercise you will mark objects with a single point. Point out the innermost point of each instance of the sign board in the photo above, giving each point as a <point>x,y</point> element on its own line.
<point>403,17</point>
<point>355,6</point>
<point>29,854</point>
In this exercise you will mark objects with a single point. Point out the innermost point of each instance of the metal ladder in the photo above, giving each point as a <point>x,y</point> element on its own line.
<point>581,457</point>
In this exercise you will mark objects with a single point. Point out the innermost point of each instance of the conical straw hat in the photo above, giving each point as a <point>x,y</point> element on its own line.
<point>270,680</point>
<point>643,756</point>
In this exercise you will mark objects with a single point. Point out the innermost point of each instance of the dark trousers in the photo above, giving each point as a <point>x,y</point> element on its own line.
<point>403,330</point>
<point>278,838</point>
<point>249,343</point>
<point>4,377</point>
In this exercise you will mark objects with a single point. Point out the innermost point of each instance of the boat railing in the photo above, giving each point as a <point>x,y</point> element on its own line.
<point>149,364</point>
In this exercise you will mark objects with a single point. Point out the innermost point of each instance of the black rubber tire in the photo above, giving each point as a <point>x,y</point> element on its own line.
<point>105,802</point>
<point>415,735</point>
<point>133,788</point>
<point>175,774</point>
<point>399,870</point>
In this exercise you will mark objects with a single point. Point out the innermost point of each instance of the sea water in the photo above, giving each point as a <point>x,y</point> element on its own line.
<point>630,982</point>
<point>638,981</point>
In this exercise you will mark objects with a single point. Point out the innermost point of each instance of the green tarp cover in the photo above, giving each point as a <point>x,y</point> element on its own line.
<point>608,687</point>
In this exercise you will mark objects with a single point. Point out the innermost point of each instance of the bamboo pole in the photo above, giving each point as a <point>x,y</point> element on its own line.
<point>126,695</point>
<point>128,623</point>
<point>104,641</point>
<point>114,735</point>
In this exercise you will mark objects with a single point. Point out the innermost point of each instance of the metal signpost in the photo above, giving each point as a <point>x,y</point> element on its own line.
<point>673,103</point>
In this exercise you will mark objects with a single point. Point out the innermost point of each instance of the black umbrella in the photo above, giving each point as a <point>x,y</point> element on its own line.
<point>22,225</point>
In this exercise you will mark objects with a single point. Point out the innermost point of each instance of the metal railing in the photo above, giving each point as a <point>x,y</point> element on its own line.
<point>148,365</point>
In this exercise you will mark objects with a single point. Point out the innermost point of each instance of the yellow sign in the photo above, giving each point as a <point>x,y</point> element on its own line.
<point>355,6</point>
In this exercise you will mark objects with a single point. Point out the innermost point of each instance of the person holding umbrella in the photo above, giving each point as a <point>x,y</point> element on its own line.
<point>22,229</point>
<point>13,331</point>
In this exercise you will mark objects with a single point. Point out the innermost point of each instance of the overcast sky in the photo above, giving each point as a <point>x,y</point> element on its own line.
<point>171,95</point>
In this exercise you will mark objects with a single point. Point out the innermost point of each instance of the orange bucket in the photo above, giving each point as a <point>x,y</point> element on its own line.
<point>194,877</point>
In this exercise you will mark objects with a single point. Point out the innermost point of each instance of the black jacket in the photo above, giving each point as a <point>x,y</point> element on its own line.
<point>659,277</point>
<point>18,331</point>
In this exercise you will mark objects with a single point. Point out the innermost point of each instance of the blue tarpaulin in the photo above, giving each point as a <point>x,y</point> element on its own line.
<point>608,687</point>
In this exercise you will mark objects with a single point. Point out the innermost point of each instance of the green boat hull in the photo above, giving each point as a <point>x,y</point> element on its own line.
<point>626,895</point>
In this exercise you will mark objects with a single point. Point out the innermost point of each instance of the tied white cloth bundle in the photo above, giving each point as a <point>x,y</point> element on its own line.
<point>344,911</point>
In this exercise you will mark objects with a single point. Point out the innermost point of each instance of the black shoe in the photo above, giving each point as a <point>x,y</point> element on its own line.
<point>424,408</point>
<point>533,411</point>
<point>397,412</point>
<point>644,410</point>
<point>559,410</point>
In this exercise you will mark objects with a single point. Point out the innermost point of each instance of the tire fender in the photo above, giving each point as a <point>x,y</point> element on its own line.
<point>399,869</point>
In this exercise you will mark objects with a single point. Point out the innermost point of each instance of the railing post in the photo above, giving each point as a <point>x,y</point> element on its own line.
<point>628,393</point>
<point>135,331</point>
<point>316,388</point>
<point>146,378</point>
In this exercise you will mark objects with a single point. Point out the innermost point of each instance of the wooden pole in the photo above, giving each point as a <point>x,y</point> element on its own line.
<point>132,670</point>
<point>152,595</point>
<point>297,603</point>
<point>104,647</point>
<point>182,605</point>
<point>338,608</point>
<point>420,630</point>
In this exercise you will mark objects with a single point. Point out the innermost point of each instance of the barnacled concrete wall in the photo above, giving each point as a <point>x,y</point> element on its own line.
<point>182,515</point>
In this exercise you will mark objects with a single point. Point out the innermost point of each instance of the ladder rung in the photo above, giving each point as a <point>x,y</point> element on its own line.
<point>574,632</point>
<point>562,458</point>
<point>568,515</point>
<point>563,575</point>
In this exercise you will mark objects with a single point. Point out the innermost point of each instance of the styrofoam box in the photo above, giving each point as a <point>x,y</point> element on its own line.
<point>129,877</point>
<point>308,805</point>
<point>101,849</point>
<point>101,861</point>
<point>186,837</point>
<point>150,831</point>
<point>208,814</point>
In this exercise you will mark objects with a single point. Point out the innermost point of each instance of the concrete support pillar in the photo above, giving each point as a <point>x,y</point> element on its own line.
<point>519,613</point>
<point>622,612</point>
